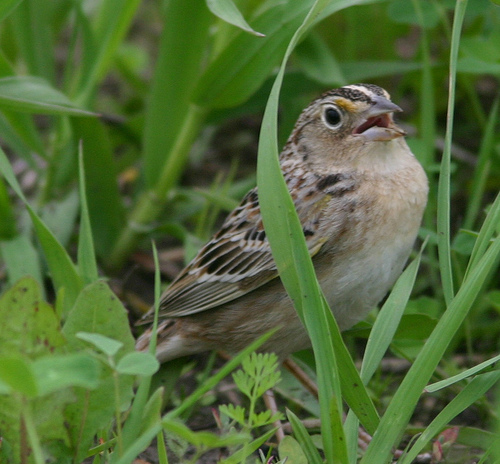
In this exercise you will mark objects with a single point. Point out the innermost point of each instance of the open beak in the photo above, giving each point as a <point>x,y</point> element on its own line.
<point>378,124</point>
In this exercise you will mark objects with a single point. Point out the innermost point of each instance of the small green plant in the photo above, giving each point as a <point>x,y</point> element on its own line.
<point>259,373</point>
<point>60,386</point>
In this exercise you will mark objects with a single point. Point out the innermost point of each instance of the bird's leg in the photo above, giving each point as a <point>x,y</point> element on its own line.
<point>270,402</point>
<point>301,376</point>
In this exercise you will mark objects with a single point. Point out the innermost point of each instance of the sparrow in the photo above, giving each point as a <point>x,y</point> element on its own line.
<point>359,193</point>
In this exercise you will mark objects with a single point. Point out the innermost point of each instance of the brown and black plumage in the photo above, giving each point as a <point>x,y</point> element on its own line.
<point>359,193</point>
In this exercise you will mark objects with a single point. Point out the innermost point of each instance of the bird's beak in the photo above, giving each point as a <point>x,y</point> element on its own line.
<point>377,122</point>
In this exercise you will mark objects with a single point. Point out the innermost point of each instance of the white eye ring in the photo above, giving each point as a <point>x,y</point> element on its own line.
<point>332,117</point>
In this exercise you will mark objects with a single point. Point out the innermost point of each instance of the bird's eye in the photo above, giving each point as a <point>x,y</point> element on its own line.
<point>332,117</point>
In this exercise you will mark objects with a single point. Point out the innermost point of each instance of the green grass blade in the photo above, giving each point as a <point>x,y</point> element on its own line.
<point>352,386</point>
<point>318,61</point>
<point>388,320</point>
<point>33,37</point>
<point>176,72</point>
<point>228,11</point>
<point>292,258</point>
<point>107,214</point>
<point>244,64</point>
<point>463,375</point>
<point>8,226</point>
<point>133,423</point>
<point>21,259</point>
<point>443,207</point>
<point>35,95</point>
<point>468,396</point>
<point>86,256</point>
<point>113,22</point>
<point>489,228</point>
<point>19,132</point>
<point>482,169</point>
<point>379,340</point>
<point>137,446</point>
<point>304,439</point>
<point>242,454</point>
<point>404,401</point>
<point>63,271</point>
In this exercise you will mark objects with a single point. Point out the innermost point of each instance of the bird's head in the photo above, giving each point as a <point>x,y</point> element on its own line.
<point>344,122</point>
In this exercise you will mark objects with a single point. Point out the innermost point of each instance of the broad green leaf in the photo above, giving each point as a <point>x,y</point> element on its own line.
<point>107,345</point>
<point>97,310</point>
<point>228,11</point>
<point>30,331</point>
<point>63,271</point>
<point>17,374</point>
<point>302,436</point>
<point>54,373</point>
<point>292,451</point>
<point>138,364</point>
<point>35,95</point>
<point>30,326</point>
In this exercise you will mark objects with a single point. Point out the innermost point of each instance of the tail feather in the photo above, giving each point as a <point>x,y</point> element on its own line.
<point>170,344</point>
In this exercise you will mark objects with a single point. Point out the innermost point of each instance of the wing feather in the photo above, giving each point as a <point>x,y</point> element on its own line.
<point>238,258</point>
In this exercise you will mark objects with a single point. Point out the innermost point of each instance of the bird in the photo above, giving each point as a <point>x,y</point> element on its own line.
<point>359,193</point>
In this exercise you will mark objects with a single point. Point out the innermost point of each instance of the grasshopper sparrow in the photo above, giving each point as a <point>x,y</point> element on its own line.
<point>359,193</point>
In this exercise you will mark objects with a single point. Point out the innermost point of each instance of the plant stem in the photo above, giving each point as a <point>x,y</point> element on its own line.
<point>443,206</point>
<point>118,419</point>
<point>34,441</point>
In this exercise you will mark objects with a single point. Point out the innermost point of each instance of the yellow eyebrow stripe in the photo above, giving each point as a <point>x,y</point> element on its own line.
<point>346,104</point>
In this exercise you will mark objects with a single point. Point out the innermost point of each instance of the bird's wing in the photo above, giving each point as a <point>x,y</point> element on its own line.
<point>235,261</point>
